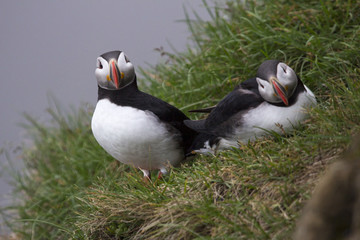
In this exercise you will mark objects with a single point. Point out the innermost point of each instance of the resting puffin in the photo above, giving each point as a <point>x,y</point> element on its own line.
<point>275,100</point>
<point>132,126</point>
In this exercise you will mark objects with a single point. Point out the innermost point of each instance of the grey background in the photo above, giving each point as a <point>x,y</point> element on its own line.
<point>50,48</point>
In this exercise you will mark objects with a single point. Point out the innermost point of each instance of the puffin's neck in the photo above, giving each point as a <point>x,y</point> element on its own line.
<point>125,92</point>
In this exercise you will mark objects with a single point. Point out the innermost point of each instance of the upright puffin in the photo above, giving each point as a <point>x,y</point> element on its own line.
<point>275,100</point>
<point>132,126</point>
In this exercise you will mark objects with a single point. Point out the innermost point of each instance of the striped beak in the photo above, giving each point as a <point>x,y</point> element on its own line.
<point>115,74</point>
<point>279,90</point>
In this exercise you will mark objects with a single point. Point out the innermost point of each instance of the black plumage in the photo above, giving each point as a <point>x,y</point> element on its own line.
<point>134,127</point>
<point>226,119</point>
<point>131,96</point>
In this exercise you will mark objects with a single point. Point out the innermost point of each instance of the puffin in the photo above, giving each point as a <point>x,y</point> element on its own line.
<point>134,127</point>
<point>276,100</point>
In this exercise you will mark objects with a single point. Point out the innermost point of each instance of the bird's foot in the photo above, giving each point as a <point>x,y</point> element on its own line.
<point>147,175</point>
<point>162,172</point>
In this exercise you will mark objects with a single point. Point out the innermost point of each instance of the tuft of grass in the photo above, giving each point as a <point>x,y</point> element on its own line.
<point>73,189</point>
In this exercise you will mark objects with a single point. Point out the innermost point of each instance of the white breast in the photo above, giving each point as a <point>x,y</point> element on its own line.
<point>267,117</point>
<point>135,137</point>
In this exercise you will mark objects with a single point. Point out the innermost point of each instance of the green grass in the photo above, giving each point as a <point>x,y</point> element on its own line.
<point>73,190</point>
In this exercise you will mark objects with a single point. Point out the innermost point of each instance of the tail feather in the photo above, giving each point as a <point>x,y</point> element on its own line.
<point>198,125</point>
<point>202,110</point>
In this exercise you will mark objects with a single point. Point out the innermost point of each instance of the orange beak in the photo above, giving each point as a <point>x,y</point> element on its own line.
<point>114,73</point>
<point>280,90</point>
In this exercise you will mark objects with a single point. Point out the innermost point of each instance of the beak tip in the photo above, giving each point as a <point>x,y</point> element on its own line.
<point>285,100</point>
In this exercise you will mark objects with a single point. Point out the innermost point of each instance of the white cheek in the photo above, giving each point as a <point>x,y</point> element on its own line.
<point>281,75</point>
<point>267,90</point>
<point>121,59</point>
<point>287,77</point>
<point>269,93</point>
<point>101,75</point>
<point>126,67</point>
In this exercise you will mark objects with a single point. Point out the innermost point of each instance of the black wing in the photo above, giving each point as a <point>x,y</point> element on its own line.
<point>243,97</point>
<point>166,113</point>
<point>249,84</point>
<point>197,125</point>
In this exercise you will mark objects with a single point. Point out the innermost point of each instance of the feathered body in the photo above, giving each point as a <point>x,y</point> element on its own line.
<point>246,113</point>
<point>134,127</point>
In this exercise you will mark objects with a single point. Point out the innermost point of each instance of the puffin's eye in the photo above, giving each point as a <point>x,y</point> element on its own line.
<point>261,85</point>
<point>126,59</point>
<point>284,69</point>
<point>100,65</point>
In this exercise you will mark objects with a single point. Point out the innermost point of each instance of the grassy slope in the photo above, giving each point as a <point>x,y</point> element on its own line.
<point>73,189</point>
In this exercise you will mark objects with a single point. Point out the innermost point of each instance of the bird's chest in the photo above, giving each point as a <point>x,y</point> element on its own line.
<point>130,134</point>
<point>267,117</point>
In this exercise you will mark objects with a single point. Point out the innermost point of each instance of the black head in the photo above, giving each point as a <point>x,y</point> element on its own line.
<point>114,70</point>
<point>276,81</point>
